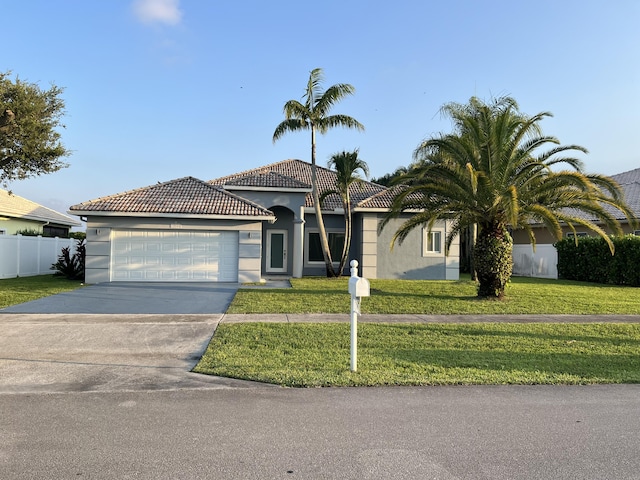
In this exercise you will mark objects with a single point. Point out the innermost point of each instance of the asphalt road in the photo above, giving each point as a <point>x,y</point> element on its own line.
<point>503,432</point>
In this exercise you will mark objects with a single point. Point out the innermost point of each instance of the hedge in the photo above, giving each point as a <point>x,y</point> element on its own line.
<point>591,260</point>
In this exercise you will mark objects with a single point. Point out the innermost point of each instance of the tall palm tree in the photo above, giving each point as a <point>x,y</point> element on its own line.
<point>346,164</point>
<point>313,114</point>
<point>487,172</point>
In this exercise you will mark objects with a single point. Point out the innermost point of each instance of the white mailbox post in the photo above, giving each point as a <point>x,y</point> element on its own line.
<point>358,288</point>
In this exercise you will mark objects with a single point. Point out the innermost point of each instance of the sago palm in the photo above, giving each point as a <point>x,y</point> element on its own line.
<point>346,164</point>
<point>488,173</point>
<point>313,114</point>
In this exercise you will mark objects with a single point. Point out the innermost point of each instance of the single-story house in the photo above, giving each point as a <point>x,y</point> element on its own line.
<point>19,214</point>
<point>542,262</point>
<point>248,226</point>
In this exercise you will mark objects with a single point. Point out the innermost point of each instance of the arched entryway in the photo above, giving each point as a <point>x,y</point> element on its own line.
<point>278,248</point>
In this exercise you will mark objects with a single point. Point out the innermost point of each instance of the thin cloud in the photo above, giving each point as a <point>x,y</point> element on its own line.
<point>158,11</point>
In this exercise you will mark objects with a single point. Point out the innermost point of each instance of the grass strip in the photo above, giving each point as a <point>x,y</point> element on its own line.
<point>317,355</point>
<point>524,296</point>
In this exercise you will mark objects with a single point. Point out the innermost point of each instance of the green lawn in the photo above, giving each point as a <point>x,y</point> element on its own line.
<point>304,355</point>
<point>524,296</point>
<point>25,289</point>
<point>310,355</point>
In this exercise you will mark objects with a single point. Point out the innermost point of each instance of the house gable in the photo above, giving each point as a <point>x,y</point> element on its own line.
<point>300,172</point>
<point>184,197</point>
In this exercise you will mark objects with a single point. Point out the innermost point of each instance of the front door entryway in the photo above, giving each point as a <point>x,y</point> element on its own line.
<point>276,251</point>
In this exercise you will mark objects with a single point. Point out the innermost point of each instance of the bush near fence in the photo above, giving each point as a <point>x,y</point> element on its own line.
<point>590,260</point>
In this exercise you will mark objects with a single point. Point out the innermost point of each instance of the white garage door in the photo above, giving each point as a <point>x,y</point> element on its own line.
<point>174,256</point>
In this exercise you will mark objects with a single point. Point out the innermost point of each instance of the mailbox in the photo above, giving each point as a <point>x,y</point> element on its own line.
<point>359,287</point>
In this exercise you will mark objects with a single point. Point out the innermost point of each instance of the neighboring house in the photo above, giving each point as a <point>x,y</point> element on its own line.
<point>246,226</point>
<point>19,214</point>
<point>543,262</point>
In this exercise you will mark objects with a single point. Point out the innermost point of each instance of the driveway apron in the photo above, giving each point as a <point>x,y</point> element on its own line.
<point>112,337</point>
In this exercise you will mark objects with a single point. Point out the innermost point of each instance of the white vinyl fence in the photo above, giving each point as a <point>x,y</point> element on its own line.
<point>543,263</point>
<point>27,256</point>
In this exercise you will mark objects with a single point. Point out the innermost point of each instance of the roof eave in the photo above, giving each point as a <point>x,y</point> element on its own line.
<point>71,222</point>
<point>94,213</point>
<point>267,189</point>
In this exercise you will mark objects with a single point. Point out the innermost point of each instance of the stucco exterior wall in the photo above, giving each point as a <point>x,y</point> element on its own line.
<point>99,230</point>
<point>290,200</point>
<point>13,225</point>
<point>410,260</point>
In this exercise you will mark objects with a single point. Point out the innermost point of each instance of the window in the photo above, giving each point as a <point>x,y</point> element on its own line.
<point>51,231</point>
<point>431,242</point>
<point>577,234</point>
<point>636,232</point>
<point>314,248</point>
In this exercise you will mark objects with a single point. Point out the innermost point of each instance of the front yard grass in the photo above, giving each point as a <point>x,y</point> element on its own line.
<point>317,355</point>
<point>524,296</point>
<point>312,355</point>
<point>24,289</point>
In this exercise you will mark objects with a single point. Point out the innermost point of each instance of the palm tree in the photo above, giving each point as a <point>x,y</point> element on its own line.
<point>313,114</point>
<point>488,173</point>
<point>346,164</point>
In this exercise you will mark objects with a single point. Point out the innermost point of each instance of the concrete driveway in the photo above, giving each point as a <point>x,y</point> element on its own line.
<point>136,298</point>
<point>112,337</point>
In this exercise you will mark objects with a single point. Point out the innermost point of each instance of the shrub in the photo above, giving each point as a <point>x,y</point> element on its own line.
<point>28,232</point>
<point>590,260</point>
<point>71,266</point>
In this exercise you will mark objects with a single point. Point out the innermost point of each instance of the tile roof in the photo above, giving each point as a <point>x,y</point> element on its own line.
<point>267,179</point>
<point>630,183</point>
<point>301,172</point>
<point>14,206</point>
<point>186,195</point>
<point>382,199</point>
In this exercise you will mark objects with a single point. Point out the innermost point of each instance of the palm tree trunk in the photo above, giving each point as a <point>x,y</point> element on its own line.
<point>474,236</point>
<point>324,242</point>
<point>347,235</point>
<point>493,260</point>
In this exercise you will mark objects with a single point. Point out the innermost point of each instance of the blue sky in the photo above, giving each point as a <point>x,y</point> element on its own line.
<point>161,89</point>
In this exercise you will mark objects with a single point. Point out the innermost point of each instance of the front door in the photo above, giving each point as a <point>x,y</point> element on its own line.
<point>276,251</point>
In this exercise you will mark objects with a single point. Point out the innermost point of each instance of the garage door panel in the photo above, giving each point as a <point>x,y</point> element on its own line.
<point>174,256</point>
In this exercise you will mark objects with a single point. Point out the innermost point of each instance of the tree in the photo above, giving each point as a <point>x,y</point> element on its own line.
<point>389,179</point>
<point>487,172</point>
<point>313,114</point>
<point>346,164</point>
<point>29,141</point>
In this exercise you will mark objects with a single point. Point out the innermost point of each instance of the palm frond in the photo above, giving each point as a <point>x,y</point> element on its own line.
<point>290,125</point>
<point>324,124</point>
<point>331,96</point>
